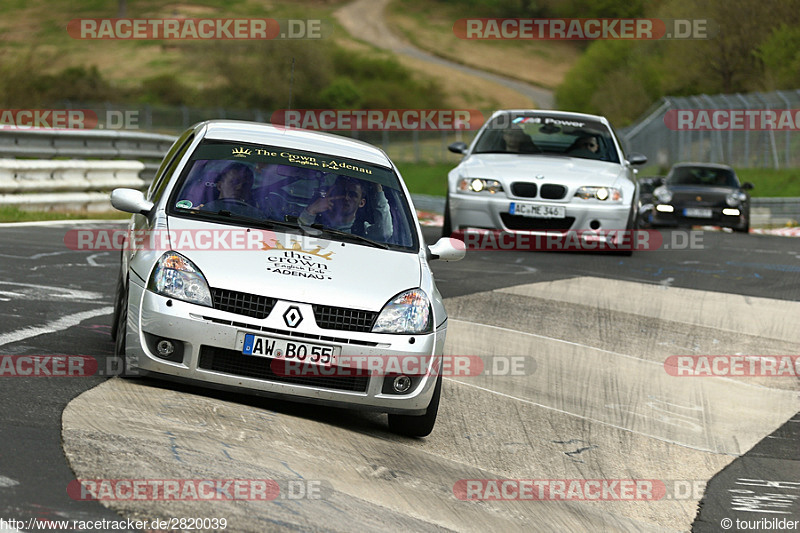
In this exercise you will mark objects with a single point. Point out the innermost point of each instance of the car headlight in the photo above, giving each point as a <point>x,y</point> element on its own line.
<point>735,198</point>
<point>177,277</point>
<point>479,185</point>
<point>408,312</point>
<point>663,195</point>
<point>604,194</point>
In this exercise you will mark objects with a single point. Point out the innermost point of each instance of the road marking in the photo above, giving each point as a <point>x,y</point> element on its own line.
<point>52,327</point>
<point>7,482</point>
<point>56,292</point>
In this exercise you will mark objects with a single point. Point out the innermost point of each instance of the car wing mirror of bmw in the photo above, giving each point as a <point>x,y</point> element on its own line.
<point>131,201</point>
<point>447,249</point>
<point>458,148</point>
<point>637,159</point>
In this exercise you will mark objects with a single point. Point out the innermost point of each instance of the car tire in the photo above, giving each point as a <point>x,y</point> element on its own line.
<point>418,425</point>
<point>120,328</point>
<point>745,229</point>
<point>447,228</point>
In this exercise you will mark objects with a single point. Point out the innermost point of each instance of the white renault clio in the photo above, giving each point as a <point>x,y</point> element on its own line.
<point>287,263</point>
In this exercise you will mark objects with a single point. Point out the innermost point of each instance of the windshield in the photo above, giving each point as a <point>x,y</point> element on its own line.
<point>547,135</point>
<point>704,176</point>
<point>246,184</point>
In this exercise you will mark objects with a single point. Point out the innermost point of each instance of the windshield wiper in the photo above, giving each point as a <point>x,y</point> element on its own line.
<point>353,236</point>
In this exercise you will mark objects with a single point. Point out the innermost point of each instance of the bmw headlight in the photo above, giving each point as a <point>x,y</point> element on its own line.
<point>603,194</point>
<point>663,195</point>
<point>479,185</point>
<point>176,277</point>
<point>408,312</point>
<point>735,198</point>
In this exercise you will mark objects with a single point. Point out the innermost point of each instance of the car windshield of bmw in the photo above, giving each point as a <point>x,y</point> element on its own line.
<point>703,177</point>
<point>547,135</point>
<point>294,190</point>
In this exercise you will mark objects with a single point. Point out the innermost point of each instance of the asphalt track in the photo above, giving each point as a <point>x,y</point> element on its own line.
<point>596,402</point>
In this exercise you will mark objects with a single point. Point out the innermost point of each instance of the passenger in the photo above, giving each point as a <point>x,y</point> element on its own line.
<point>339,209</point>
<point>585,142</point>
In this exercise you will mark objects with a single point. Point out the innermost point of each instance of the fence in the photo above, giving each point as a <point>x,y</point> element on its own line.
<point>405,146</point>
<point>659,136</point>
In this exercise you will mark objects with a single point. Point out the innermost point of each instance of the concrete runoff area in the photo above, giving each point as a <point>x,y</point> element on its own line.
<point>598,405</point>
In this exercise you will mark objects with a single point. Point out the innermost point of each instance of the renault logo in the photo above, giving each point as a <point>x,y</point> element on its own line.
<point>292,317</point>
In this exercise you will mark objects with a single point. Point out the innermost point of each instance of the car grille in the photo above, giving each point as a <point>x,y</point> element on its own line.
<point>242,303</point>
<point>553,192</point>
<point>523,189</point>
<point>520,223</point>
<point>344,319</point>
<point>237,364</point>
<point>327,317</point>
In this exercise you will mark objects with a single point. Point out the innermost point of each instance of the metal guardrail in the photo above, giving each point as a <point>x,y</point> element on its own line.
<point>71,184</point>
<point>149,148</point>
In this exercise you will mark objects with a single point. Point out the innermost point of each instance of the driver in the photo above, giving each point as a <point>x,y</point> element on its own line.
<point>234,185</point>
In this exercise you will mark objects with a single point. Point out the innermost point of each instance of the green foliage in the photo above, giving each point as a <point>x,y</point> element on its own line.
<point>165,89</point>
<point>751,47</point>
<point>342,93</point>
<point>780,54</point>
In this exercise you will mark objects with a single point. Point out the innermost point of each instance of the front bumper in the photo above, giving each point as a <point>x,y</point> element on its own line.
<point>717,218</point>
<point>211,343</point>
<point>485,212</point>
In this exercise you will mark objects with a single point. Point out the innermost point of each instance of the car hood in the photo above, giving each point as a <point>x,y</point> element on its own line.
<point>295,267</point>
<point>561,169</point>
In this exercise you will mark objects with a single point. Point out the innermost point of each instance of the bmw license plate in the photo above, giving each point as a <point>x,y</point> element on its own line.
<point>537,210</point>
<point>291,351</point>
<point>696,212</point>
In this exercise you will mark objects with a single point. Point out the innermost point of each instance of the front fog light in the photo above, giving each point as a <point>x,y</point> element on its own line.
<point>165,348</point>
<point>401,384</point>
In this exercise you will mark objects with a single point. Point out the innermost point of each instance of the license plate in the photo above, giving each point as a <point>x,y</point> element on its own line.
<point>290,350</point>
<point>537,210</point>
<point>696,212</point>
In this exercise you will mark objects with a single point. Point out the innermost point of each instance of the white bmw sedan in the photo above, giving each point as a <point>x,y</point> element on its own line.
<point>286,263</point>
<point>542,171</point>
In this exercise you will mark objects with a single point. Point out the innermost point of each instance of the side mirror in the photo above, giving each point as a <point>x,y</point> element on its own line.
<point>747,186</point>
<point>130,201</point>
<point>637,159</point>
<point>447,249</point>
<point>458,148</point>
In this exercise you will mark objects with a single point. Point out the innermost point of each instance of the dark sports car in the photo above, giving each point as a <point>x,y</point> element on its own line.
<point>702,194</point>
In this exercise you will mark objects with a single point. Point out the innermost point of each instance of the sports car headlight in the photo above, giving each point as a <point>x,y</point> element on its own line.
<point>479,185</point>
<point>735,198</point>
<point>603,194</point>
<point>408,312</point>
<point>663,195</point>
<point>177,277</point>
